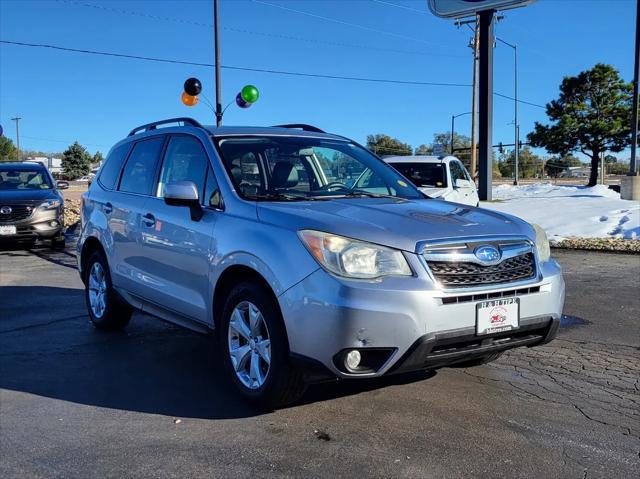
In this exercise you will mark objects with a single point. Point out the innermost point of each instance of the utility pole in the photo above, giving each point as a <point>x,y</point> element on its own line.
<point>515,112</point>
<point>485,104</point>
<point>633,165</point>
<point>17,120</point>
<point>474,149</point>
<point>217,59</point>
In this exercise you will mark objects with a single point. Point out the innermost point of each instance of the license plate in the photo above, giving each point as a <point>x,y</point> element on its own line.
<point>498,315</point>
<point>7,230</point>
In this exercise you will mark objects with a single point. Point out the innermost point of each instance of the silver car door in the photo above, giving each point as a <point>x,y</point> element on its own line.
<point>124,211</point>
<point>175,246</point>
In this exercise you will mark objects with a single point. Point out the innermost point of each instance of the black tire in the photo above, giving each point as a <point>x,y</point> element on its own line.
<point>478,361</point>
<point>116,314</point>
<point>58,243</point>
<point>284,384</point>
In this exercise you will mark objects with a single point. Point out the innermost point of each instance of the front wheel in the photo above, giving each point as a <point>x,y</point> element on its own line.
<point>106,310</point>
<point>255,348</point>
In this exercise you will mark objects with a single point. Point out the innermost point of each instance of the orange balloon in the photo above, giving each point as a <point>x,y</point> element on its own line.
<point>189,100</point>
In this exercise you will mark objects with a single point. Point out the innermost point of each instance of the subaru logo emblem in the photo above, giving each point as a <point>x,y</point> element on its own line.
<point>6,210</point>
<point>488,254</point>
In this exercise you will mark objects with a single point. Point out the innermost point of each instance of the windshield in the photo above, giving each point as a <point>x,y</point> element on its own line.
<point>299,168</point>
<point>11,180</point>
<point>424,174</point>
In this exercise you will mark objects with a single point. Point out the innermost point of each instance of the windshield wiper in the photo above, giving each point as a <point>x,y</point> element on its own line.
<point>280,197</point>
<point>357,193</point>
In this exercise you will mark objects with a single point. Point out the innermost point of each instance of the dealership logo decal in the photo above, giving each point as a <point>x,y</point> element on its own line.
<point>498,315</point>
<point>6,210</point>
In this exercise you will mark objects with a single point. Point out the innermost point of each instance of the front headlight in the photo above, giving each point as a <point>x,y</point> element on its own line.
<point>542,244</point>
<point>50,204</point>
<point>353,258</point>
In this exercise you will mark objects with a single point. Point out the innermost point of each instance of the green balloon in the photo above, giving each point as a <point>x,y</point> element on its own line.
<point>249,93</point>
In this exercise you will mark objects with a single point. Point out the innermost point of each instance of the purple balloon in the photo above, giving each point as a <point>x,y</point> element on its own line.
<point>241,103</point>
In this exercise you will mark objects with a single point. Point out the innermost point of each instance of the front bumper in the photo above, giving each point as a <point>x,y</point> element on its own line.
<point>45,224</point>
<point>419,325</point>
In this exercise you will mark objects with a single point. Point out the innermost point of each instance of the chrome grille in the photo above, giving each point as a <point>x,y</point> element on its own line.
<point>459,263</point>
<point>471,274</point>
<point>12,213</point>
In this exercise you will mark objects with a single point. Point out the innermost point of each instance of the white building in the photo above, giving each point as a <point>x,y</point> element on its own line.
<point>54,164</point>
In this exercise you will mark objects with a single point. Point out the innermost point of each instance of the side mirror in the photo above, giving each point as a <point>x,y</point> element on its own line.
<point>463,183</point>
<point>62,185</point>
<point>184,193</point>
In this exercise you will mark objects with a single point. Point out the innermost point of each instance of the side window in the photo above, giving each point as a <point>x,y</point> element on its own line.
<point>140,171</point>
<point>456,172</point>
<point>211,191</point>
<point>185,160</point>
<point>112,166</point>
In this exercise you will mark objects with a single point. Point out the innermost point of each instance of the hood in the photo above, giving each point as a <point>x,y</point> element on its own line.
<point>433,192</point>
<point>27,196</point>
<point>395,223</point>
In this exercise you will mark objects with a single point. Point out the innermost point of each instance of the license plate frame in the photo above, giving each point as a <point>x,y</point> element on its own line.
<point>497,316</point>
<point>8,230</point>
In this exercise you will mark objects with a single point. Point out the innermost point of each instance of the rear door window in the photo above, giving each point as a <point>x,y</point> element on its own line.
<point>139,175</point>
<point>110,171</point>
<point>184,160</point>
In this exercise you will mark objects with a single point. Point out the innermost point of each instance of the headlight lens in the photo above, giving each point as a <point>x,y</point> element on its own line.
<point>352,258</point>
<point>50,204</point>
<point>542,244</point>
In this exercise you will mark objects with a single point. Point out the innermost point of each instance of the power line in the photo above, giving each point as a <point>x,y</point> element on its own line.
<point>229,67</point>
<point>60,141</point>
<point>349,24</point>
<point>404,7</point>
<point>279,36</point>
<point>257,70</point>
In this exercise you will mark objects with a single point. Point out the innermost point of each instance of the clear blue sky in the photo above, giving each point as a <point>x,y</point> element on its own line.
<point>97,100</point>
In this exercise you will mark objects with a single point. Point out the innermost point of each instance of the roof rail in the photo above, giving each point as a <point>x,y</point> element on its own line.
<point>301,126</point>
<point>153,125</point>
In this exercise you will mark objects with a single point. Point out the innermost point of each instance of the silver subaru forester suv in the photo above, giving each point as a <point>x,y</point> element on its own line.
<point>307,257</point>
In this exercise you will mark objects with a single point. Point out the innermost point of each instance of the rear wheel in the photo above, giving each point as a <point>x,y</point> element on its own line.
<point>255,348</point>
<point>106,310</point>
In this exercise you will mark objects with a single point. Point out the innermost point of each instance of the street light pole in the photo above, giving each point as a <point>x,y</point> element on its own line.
<point>516,127</point>
<point>17,120</point>
<point>453,122</point>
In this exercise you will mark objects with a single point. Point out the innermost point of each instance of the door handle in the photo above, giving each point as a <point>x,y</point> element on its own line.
<point>108,208</point>
<point>149,220</point>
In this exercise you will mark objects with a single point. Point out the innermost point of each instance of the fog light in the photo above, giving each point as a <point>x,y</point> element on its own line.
<point>352,360</point>
<point>54,224</point>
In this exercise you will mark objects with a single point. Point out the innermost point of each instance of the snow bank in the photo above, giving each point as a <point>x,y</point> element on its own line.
<point>570,211</point>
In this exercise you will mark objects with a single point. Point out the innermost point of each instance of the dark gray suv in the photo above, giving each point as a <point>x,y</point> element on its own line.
<point>31,205</point>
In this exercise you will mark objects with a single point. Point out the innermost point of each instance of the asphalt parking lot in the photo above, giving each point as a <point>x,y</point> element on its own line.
<point>152,401</point>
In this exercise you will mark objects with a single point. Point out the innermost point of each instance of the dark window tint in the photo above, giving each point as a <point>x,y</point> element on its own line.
<point>140,171</point>
<point>457,172</point>
<point>20,179</point>
<point>185,160</point>
<point>110,171</point>
<point>211,191</point>
<point>423,174</point>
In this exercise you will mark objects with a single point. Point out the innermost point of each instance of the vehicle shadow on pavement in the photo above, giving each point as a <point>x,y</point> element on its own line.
<point>49,348</point>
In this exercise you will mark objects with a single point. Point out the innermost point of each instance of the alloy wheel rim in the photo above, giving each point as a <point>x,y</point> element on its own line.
<point>249,345</point>
<point>97,290</point>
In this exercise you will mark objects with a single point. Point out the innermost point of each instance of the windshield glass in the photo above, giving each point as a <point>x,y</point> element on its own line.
<point>23,180</point>
<point>424,174</point>
<point>295,168</point>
